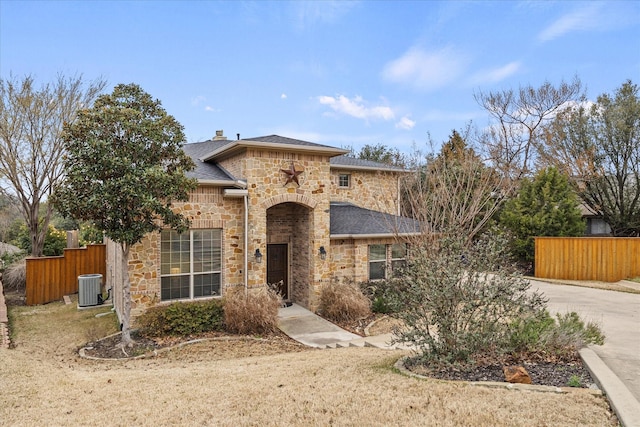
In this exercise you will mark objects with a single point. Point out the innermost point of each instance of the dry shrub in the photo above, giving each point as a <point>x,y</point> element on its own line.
<point>253,313</point>
<point>15,276</point>
<point>343,302</point>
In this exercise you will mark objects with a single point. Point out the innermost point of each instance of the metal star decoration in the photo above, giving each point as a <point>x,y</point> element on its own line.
<point>292,174</point>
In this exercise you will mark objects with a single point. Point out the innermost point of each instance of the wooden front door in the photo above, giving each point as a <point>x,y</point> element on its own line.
<point>278,268</point>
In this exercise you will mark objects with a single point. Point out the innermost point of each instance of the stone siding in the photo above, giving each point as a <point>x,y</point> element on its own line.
<point>373,190</point>
<point>278,212</point>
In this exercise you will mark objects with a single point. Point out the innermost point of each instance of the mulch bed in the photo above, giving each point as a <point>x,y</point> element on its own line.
<point>557,374</point>
<point>551,373</point>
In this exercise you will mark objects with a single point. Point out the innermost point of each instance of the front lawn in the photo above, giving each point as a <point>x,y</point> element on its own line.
<point>237,382</point>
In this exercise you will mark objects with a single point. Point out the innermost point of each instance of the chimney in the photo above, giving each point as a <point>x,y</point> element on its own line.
<point>219,136</point>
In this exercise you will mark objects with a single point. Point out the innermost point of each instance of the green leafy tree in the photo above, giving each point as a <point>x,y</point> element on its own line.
<point>544,206</point>
<point>598,146</point>
<point>31,147</point>
<point>54,242</point>
<point>124,168</point>
<point>382,154</point>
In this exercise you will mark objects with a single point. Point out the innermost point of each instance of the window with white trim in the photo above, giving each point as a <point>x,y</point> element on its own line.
<point>384,260</point>
<point>191,264</point>
<point>344,180</point>
<point>377,261</point>
<point>398,257</point>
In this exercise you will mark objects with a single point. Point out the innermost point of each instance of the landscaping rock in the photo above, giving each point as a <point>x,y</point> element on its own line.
<point>516,374</point>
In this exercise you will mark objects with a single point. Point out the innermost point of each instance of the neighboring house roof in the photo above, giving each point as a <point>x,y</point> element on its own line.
<point>207,171</point>
<point>351,221</point>
<point>346,162</point>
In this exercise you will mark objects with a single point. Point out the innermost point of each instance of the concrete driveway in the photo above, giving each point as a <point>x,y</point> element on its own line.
<point>618,314</point>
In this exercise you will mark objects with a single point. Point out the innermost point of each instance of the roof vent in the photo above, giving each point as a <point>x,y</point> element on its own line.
<point>219,136</point>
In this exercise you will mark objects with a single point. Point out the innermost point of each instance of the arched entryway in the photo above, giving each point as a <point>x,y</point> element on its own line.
<point>289,243</point>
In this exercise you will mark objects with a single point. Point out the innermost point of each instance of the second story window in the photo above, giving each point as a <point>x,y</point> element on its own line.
<point>344,180</point>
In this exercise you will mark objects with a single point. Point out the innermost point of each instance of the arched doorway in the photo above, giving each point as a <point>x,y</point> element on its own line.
<point>289,243</point>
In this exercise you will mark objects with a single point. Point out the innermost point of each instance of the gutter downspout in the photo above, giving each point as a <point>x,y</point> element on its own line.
<point>246,245</point>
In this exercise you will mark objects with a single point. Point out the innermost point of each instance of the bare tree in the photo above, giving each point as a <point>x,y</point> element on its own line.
<point>31,148</point>
<point>454,191</point>
<point>518,117</point>
<point>598,146</point>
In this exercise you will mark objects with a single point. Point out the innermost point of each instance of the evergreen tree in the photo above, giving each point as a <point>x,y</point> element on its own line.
<point>544,206</point>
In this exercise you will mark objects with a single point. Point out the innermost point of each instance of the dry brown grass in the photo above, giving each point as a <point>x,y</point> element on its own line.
<point>343,302</point>
<point>252,313</point>
<point>15,276</point>
<point>43,382</point>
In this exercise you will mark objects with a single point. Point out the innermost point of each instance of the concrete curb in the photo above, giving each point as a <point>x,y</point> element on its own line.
<point>626,407</point>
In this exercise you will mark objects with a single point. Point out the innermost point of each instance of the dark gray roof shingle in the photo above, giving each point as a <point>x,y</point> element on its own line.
<point>350,220</point>
<point>345,160</point>
<point>277,139</point>
<point>206,170</point>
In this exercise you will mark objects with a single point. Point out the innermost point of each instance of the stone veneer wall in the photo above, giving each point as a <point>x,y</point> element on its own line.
<point>350,258</point>
<point>207,209</point>
<point>266,185</point>
<point>289,223</point>
<point>373,190</point>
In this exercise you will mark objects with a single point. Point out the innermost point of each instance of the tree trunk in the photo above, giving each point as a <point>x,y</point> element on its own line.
<point>126,297</point>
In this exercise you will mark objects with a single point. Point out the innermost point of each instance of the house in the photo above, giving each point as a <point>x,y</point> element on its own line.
<point>596,226</point>
<point>272,210</point>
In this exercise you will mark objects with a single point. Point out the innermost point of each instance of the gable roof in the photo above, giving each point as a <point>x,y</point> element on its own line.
<point>349,221</point>
<point>228,148</point>
<point>206,172</point>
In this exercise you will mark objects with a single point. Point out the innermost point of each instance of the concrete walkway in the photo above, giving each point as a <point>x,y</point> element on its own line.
<point>616,364</point>
<point>310,329</point>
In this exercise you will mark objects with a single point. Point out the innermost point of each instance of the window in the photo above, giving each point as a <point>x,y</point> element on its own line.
<point>344,180</point>
<point>398,257</point>
<point>377,261</point>
<point>191,264</point>
<point>378,255</point>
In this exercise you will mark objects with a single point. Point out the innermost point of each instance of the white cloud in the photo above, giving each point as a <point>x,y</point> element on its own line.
<point>198,100</point>
<point>426,70</point>
<point>210,108</point>
<point>579,20</point>
<point>309,13</point>
<point>496,74</point>
<point>283,96</point>
<point>356,107</point>
<point>405,123</point>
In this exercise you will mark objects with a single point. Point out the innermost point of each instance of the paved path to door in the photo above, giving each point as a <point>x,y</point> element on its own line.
<point>618,314</point>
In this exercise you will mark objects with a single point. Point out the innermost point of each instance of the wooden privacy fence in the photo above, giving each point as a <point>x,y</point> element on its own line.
<point>607,259</point>
<point>50,278</point>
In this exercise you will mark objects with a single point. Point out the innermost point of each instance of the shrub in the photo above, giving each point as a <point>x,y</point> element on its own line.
<point>343,302</point>
<point>252,314</point>
<point>457,299</point>
<point>569,335</point>
<point>54,242</point>
<point>544,337</point>
<point>14,276</point>
<point>182,319</point>
<point>379,294</point>
<point>526,332</point>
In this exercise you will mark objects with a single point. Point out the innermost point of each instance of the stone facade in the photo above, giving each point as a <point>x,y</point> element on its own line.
<point>376,190</point>
<point>279,212</point>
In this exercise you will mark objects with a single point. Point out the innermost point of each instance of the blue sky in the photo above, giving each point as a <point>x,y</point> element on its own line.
<point>336,73</point>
